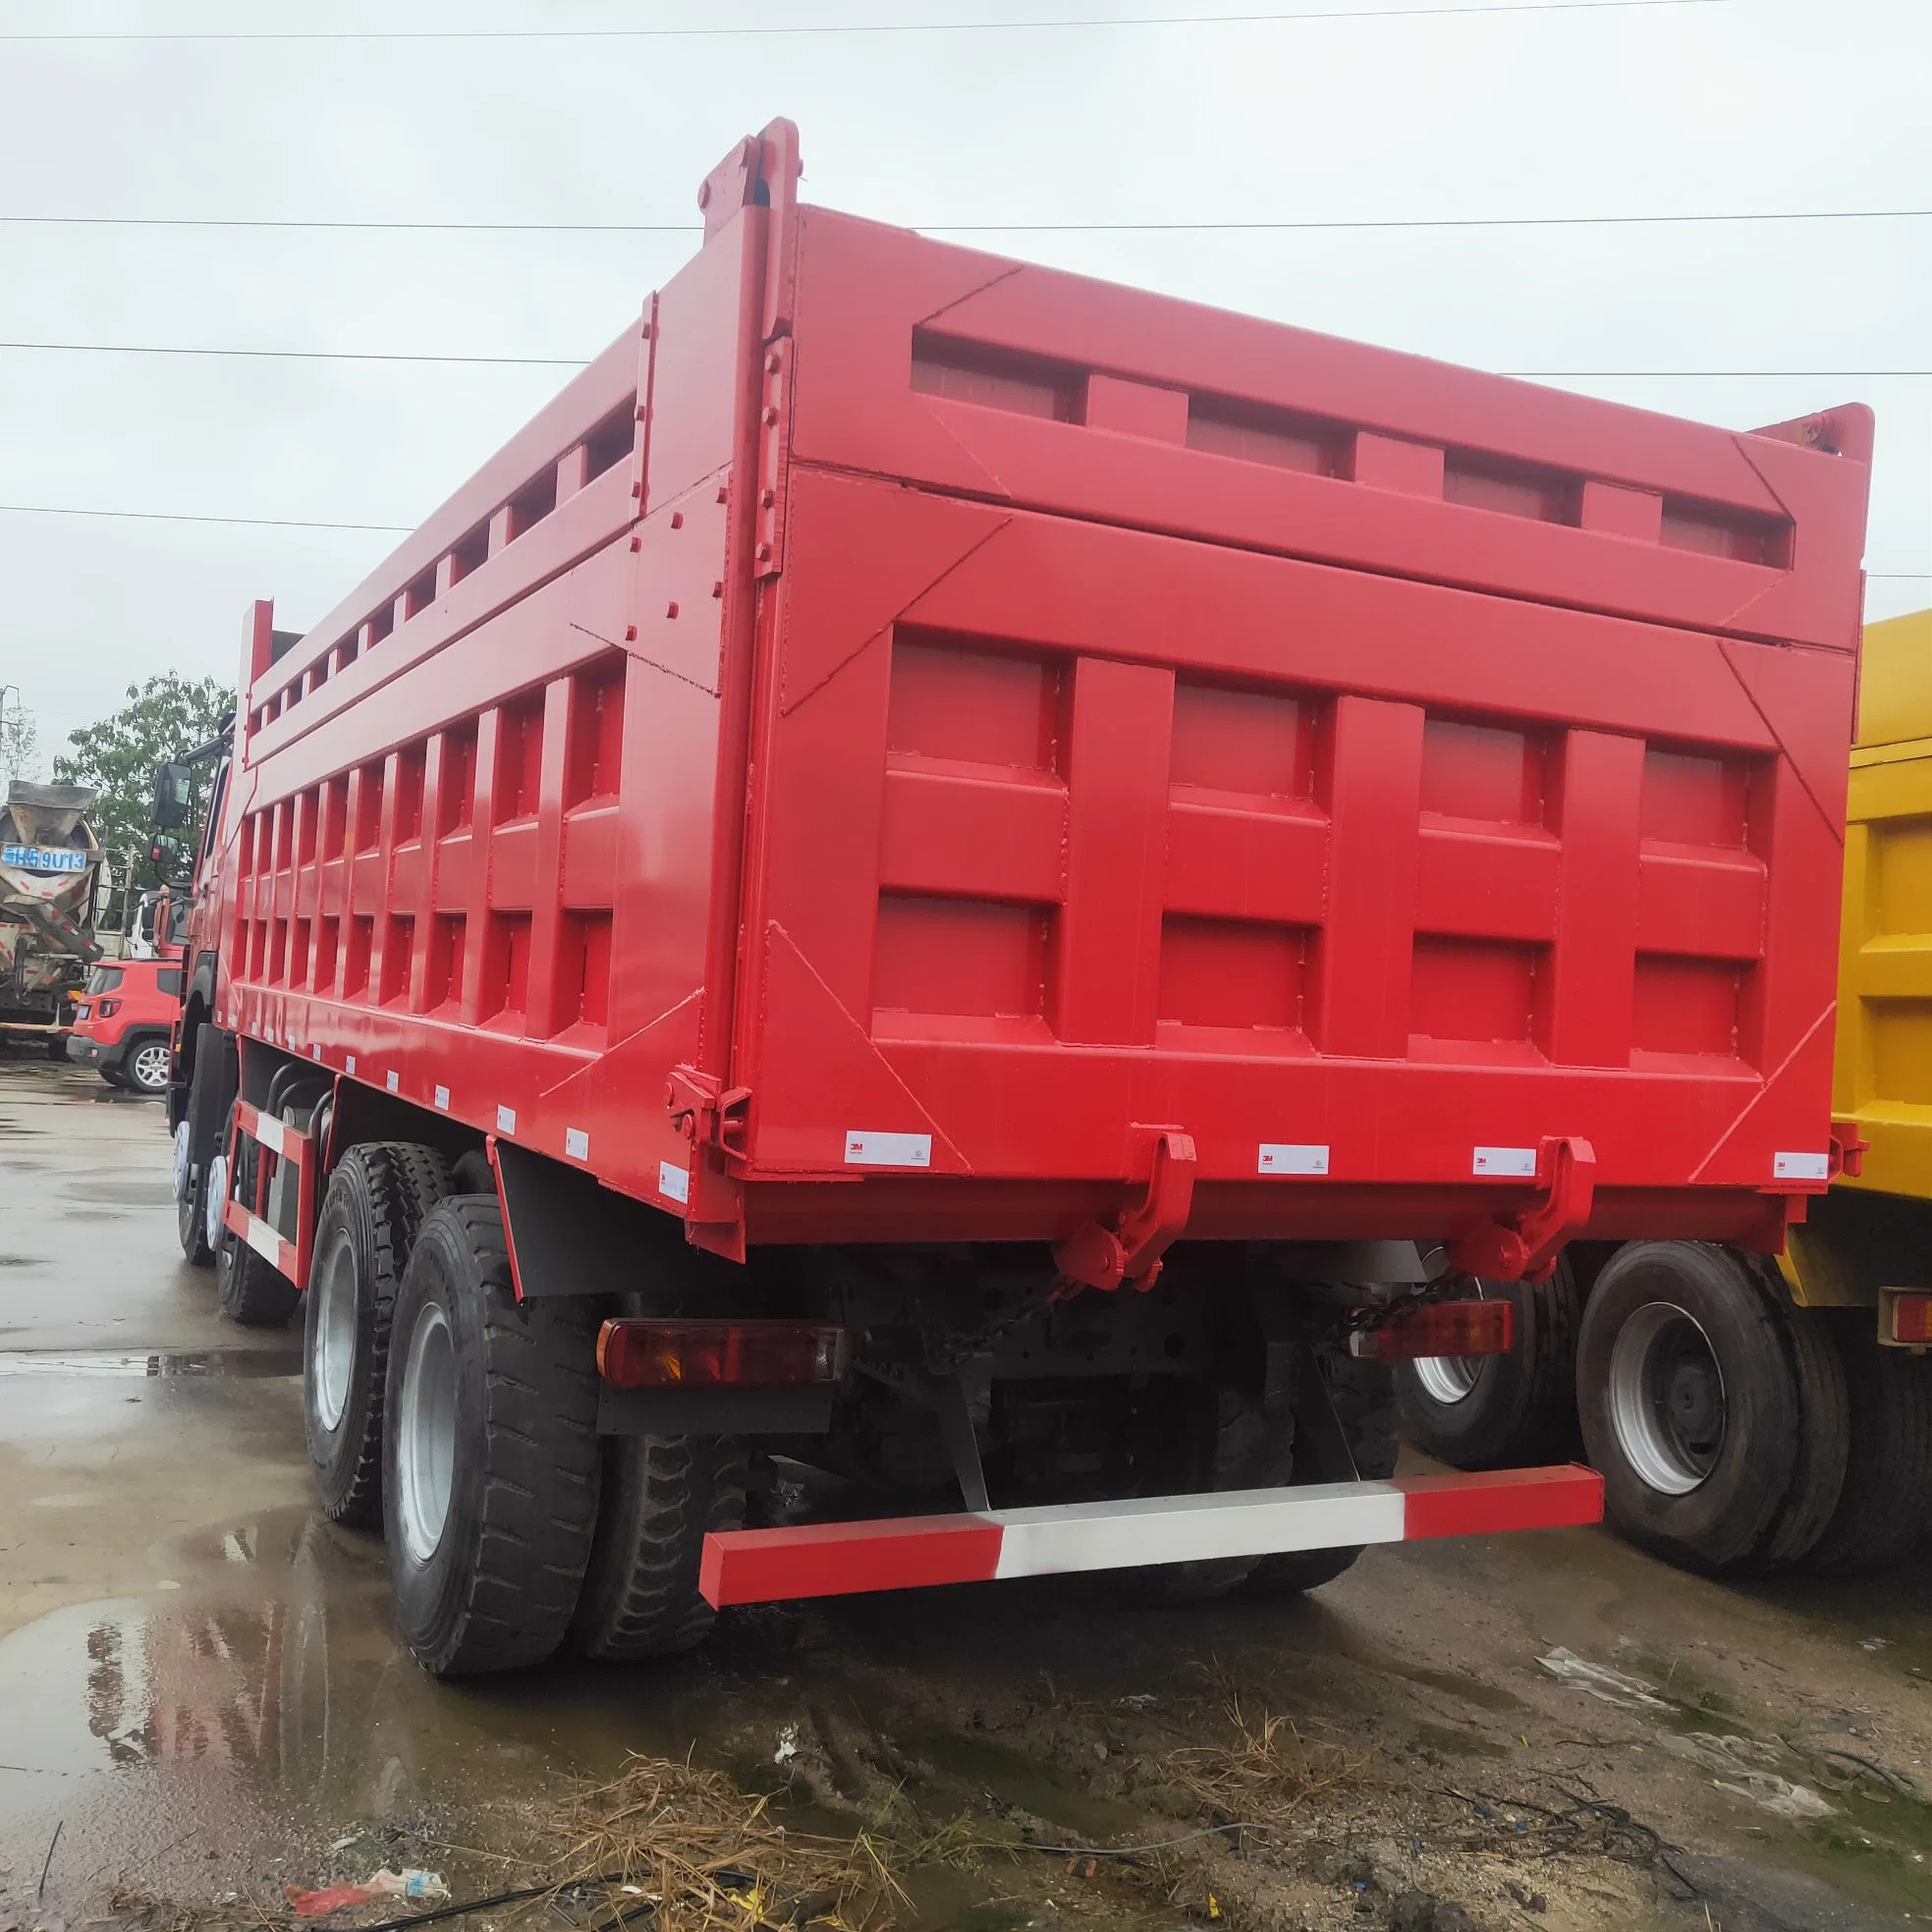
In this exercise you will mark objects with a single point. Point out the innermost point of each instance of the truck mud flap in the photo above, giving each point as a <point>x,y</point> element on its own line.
<point>898,1553</point>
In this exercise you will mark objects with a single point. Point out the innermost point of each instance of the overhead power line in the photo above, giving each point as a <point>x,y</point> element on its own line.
<point>578,363</point>
<point>186,516</point>
<point>840,27</point>
<point>1308,227</point>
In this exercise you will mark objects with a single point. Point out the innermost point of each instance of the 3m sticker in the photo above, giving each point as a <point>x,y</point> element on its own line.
<point>673,1183</point>
<point>1514,1163</point>
<point>443,1098</point>
<point>1289,1157</point>
<point>348,1063</point>
<point>506,1120</point>
<point>1800,1167</point>
<point>867,1150</point>
<point>393,1080</point>
<point>316,1052</point>
<point>576,1143</point>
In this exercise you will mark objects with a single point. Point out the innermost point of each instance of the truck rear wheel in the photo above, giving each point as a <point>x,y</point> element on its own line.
<point>1499,1411</point>
<point>252,1292</point>
<point>1880,1516</point>
<point>1690,1403</point>
<point>1364,1395</point>
<point>660,1496</point>
<point>490,1452</point>
<point>376,1202</point>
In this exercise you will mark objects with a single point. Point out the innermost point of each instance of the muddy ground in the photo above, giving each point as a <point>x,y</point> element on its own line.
<point>201,1701</point>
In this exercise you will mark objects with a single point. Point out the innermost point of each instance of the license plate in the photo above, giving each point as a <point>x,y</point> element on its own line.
<point>43,858</point>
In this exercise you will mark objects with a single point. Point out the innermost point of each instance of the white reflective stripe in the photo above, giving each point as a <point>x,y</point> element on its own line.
<point>506,1120</point>
<point>673,1183</point>
<point>1289,1157</point>
<point>865,1148</point>
<point>348,1063</point>
<point>1238,1522</point>
<point>268,1131</point>
<point>443,1098</point>
<point>576,1143</point>
<point>1519,1163</point>
<point>393,1080</point>
<point>1800,1167</point>
<point>264,1240</point>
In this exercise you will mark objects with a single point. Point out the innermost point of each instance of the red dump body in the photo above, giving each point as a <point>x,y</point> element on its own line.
<point>903,728</point>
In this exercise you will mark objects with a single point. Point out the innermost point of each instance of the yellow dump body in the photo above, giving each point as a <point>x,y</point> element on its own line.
<point>1883,1073</point>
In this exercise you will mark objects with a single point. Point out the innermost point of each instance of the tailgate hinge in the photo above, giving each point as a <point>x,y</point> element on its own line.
<point>1525,1246</point>
<point>1848,1149</point>
<point>774,435</point>
<point>706,1112</point>
<point>1099,1257</point>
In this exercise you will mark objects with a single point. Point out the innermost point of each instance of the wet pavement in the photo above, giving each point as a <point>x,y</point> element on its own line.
<point>201,1694</point>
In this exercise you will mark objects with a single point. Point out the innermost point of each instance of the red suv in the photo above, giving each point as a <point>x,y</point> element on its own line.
<point>124,1021</point>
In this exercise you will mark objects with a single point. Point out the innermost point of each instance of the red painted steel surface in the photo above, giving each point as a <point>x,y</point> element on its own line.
<point>956,723</point>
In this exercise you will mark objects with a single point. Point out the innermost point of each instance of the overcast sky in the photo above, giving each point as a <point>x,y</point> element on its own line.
<point>1716,106</point>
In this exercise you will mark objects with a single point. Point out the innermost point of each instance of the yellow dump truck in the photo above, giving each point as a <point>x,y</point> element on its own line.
<point>1750,1415</point>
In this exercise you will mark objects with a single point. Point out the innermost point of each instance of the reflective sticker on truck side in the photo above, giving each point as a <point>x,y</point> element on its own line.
<point>443,1098</point>
<point>1800,1167</point>
<point>867,1150</point>
<point>1518,1163</point>
<point>392,1080</point>
<point>576,1143</point>
<point>674,1183</point>
<point>506,1120</point>
<point>1286,1157</point>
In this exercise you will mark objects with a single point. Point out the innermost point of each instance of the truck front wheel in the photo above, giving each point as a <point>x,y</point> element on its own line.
<point>490,1452</point>
<point>1690,1403</point>
<point>376,1202</point>
<point>252,1292</point>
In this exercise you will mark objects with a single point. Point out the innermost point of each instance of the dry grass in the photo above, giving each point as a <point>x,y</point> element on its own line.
<point>1266,1770</point>
<point>704,1853</point>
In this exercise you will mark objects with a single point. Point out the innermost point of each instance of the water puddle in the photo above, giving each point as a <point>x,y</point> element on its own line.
<point>235,1363</point>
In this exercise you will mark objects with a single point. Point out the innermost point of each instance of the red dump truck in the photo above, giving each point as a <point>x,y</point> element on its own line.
<point>948,884</point>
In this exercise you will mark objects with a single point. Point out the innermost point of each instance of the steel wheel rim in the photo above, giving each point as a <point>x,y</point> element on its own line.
<point>217,1197</point>
<point>1667,1399</point>
<point>332,1354</point>
<point>182,1138</point>
<point>150,1067</point>
<point>1449,1379</point>
<point>425,1433</point>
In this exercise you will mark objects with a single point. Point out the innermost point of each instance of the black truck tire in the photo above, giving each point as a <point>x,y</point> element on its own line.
<point>1249,1449</point>
<point>491,1450</point>
<point>1690,1403</point>
<point>660,1497</point>
<point>251,1291</point>
<point>1824,1441</point>
<point>377,1198</point>
<point>196,1144</point>
<point>1881,1516</point>
<point>1503,1411</point>
<point>1364,1398</point>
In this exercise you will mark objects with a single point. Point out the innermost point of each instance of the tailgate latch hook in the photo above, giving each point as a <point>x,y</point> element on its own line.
<point>1525,1245</point>
<point>1100,1257</point>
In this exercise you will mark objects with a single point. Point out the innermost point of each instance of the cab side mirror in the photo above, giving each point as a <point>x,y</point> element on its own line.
<point>174,795</point>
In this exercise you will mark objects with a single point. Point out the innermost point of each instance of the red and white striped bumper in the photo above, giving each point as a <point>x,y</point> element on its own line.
<point>898,1552</point>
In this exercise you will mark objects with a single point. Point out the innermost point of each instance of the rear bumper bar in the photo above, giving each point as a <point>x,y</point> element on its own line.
<point>896,1553</point>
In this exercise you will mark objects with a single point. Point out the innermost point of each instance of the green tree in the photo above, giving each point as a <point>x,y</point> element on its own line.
<point>164,718</point>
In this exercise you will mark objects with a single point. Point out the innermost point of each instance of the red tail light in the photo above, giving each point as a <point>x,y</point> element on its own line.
<point>1439,1327</point>
<point>1912,1318</point>
<point>634,1353</point>
<point>106,1009</point>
